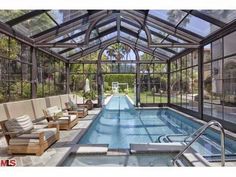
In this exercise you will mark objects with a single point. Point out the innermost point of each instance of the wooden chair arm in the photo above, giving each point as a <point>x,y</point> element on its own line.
<point>13,133</point>
<point>72,112</point>
<point>53,125</point>
<point>82,106</point>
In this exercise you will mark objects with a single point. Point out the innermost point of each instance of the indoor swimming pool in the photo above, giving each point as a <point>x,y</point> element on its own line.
<point>119,124</point>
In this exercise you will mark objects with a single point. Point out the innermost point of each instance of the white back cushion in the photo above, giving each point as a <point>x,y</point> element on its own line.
<point>3,113</point>
<point>22,124</point>
<point>51,111</point>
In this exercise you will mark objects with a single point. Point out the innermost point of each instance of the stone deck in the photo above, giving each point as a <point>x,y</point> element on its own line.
<point>56,154</point>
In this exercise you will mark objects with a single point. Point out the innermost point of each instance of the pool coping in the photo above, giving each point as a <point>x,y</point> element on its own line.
<point>104,149</point>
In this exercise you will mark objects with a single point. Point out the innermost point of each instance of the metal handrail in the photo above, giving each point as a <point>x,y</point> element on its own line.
<point>200,131</point>
<point>196,132</point>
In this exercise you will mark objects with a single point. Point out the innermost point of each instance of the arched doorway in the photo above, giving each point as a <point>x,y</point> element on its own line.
<point>118,62</point>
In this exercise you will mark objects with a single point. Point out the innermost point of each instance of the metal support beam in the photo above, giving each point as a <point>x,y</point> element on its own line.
<point>94,23</point>
<point>112,41</point>
<point>168,82</point>
<point>207,18</point>
<point>91,49</point>
<point>65,28</point>
<point>84,31</point>
<point>67,78</point>
<point>73,45</point>
<point>229,28</point>
<point>57,45</point>
<point>132,33</point>
<point>138,80</point>
<point>145,49</point>
<point>156,33</point>
<point>34,73</point>
<point>100,79</point>
<point>118,23</point>
<point>6,29</point>
<point>175,45</point>
<point>166,27</point>
<point>200,82</point>
<point>25,17</point>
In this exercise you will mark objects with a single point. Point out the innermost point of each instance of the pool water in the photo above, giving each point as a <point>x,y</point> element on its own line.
<point>120,124</point>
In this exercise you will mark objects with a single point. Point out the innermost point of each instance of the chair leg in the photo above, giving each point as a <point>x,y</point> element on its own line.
<point>9,152</point>
<point>40,152</point>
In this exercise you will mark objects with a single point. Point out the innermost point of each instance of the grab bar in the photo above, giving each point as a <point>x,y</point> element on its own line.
<point>200,131</point>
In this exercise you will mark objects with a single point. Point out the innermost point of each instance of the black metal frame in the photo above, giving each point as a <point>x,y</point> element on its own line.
<point>143,19</point>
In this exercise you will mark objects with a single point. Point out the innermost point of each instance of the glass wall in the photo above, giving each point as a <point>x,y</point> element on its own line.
<point>219,84</point>
<point>184,81</point>
<point>15,69</point>
<point>153,81</point>
<point>80,73</point>
<point>51,75</point>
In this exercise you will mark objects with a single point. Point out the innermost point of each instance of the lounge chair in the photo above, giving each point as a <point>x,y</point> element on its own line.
<point>23,138</point>
<point>79,101</point>
<point>65,119</point>
<point>81,110</point>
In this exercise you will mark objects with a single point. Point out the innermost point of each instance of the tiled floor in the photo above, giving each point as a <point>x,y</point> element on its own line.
<point>57,153</point>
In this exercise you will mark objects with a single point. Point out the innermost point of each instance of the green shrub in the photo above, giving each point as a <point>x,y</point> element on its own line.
<point>91,95</point>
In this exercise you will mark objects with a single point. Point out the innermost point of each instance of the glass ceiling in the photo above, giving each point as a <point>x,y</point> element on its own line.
<point>198,26</point>
<point>70,27</point>
<point>225,16</point>
<point>172,16</point>
<point>62,16</point>
<point>7,15</point>
<point>35,25</point>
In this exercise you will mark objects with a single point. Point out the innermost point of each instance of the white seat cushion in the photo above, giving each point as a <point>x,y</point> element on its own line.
<point>48,132</point>
<point>65,119</point>
<point>23,141</point>
<point>27,139</point>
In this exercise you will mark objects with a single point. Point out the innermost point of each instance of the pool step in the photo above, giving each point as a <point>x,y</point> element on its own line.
<point>195,159</point>
<point>90,149</point>
<point>156,147</point>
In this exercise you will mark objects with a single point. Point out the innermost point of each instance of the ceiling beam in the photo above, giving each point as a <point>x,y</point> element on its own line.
<point>6,29</point>
<point>112,41</point>
<point>132,33</point>
<point>74,45</point>
<point>91,49</point>
<point>25,17</point>
<point>145,49</point>
<point>154,32</point>
<point>229,28</point>
<point>109,13</point>
<point>207,18</point>
<point>175,45</point>
<point>84,31</point>
<point>65,27</point>
<point>118,23</point>
<point>142,27</point>
<point>166,27</point>
<point>54,54</point>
